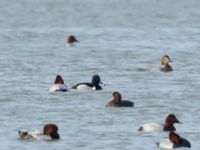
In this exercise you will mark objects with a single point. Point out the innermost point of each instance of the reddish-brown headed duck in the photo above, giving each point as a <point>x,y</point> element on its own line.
<point>174,141</point>
<point>118,102</point>
<point>167,126</point>
<point>58,85</point>
<point>50,131</point>
<point>71,40</point>
<point>165,67</point>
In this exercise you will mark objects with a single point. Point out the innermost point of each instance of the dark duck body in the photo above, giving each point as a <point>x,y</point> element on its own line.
<point>118,102</point>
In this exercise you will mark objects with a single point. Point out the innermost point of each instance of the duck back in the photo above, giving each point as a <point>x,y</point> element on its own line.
<point>126,103</point>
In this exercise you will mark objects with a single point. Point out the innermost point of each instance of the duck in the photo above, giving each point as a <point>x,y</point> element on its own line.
<point>59,85</point>
<point>118,102</point>
<point>71,40</point>
<point>174,141</point>
<point>94,85</point>
<point>50,132</point>
<point>167,126</point>
<point>165,67</point>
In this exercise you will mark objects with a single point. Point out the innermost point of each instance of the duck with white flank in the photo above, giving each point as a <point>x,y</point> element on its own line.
<point>59,85</point>
<point>167,126</point>
<point>94,85</point>
<point>50,132</point>
<point>174,141</point>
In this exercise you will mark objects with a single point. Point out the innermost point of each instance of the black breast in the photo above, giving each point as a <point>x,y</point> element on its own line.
<point>98,87</point>
<point>170,128</point>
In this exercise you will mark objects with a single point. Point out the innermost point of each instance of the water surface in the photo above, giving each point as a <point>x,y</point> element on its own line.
<point>123,42</point>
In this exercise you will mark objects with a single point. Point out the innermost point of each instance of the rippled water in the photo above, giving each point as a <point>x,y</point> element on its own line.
<point>123,42</point>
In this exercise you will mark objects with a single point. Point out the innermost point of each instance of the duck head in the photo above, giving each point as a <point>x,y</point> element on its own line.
<point>71,39</point>
<point>178,141</point>
<point>96,80</point>
<point>51,130</point>
<point>165,60</point>
<point>59,80</point>
<point>117,97</point>
<point>174,138</point>
<point>169,122</point>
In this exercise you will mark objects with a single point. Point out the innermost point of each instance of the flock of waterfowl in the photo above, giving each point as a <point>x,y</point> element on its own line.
<point>50,131</point>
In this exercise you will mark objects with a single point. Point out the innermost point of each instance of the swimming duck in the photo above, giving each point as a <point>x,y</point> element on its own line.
<point>167,126</point>
<point>58,85</point>
<point>50,131</point>
<point>174,141</point>
<point>118,102</point>
<point>165,67</point>
<point>71,40</point>
<point>94,85</point>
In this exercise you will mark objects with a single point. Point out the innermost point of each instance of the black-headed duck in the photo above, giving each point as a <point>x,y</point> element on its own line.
<point>94,85</point>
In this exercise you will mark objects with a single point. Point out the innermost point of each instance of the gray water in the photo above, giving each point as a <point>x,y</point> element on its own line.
<point>122,41</point>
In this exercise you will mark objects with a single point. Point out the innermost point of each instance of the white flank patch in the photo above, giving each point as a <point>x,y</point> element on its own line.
<point>84,87</point>
<point>152,127</point>
<point>58,87</point>
<point>166,144</point>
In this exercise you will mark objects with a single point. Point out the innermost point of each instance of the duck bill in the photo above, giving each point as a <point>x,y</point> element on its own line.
<point>177,121</point>
<point>77,41</point>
